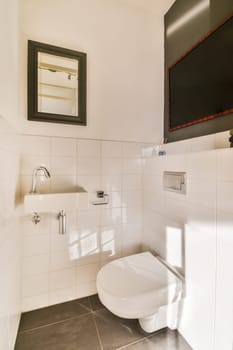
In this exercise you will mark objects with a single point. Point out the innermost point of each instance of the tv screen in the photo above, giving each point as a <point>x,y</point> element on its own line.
<point>201,82</point>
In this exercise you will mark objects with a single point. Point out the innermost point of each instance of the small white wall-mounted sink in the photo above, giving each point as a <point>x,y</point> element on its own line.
<point>54,202</point>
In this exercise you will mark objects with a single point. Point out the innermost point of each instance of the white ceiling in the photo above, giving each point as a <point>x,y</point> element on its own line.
<point>159,7</point>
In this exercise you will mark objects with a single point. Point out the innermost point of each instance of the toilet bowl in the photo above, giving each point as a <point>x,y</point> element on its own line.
<point>141,286</point>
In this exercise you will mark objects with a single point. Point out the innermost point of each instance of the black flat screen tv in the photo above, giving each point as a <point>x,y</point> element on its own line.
<point>201,81</point>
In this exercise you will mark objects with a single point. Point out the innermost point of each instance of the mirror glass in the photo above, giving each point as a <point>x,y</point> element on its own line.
<point>56,84</point>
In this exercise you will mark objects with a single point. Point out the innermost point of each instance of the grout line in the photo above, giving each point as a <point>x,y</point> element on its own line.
<point>143,338</point>
<point>88,138</point>
<point>135,342</point>
<point>53,323</point>
<point>97,331</point>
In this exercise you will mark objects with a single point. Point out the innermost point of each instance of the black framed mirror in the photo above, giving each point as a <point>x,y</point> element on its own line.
<point>56,84</point>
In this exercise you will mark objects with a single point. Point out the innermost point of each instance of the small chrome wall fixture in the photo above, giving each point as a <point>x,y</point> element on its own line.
<point>62,222</point>
<point>101,198</point>
<point>35,218</point>
<point>61,217</point>
<point>174,181</point>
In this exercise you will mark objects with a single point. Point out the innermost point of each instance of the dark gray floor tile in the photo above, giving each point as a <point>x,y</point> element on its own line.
<point>116,332</point>
<point>55,313</point>
<point>75,334</point>
<point>96,303</point>
<point>164,340</point>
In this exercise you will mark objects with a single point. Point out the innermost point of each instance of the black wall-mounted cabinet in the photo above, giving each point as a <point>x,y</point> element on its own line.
<point>186,23</point>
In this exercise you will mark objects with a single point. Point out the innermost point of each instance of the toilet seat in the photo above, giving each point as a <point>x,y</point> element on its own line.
<point>137,286</point>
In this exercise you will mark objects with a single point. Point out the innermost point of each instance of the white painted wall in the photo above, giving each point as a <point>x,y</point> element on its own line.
<point>124,46</point>
<point>193,232</point>
<point>9,160</point>
<point>9,59</point>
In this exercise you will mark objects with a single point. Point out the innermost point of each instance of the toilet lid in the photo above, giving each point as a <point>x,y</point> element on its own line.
<point>136,274</point>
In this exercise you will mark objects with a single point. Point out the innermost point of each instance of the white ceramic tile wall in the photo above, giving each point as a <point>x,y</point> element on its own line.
<point>9,238</point>
<point>58,268</point>
<point>194,233</point>
<point>186,230</point>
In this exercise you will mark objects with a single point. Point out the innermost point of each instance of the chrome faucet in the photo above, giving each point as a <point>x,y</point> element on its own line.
<point>34,176</point>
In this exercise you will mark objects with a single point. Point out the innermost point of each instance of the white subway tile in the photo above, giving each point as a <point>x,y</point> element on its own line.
<point>111,183</point>
<point>132,198</point>
<point>200,266</point>
<point>88,166</point>
<point>131,239</point>
<point>89,148</point>
<point>87,273</point>
<point>114,200</point>
<point>148,150</point>
<point>62,295</point>
<point>111,216</point>
<point>35,245</point>
<point>176,209</point>
<point>63,166</point>
<point>62,279</point>
<point>224,283</point>
<point>201,218</point>
<point>86,248</point>
<point>35,145</point>
<point>224,196</point>
<point>203,143</point>
<point>225,165</point>
<point>63,147</point>
<point>61,260</point>
<point>111,239</point>
<point>34,302</point>
<point>132,166</point>
<point>202,166</point>
<point>62,242</point>
<point>131,182</point>
<point>178,147</point>
<point>132,149</point>
<point>34,265</point>
<point>86,255</point>
<point>111,149</point>
<point>202,193</point>
<point>176,162</point>
<point>111,166</point>
<point>85,289</point>
<point>132,215</point>
<point>88,218</point>
<point>153,183</point>
<point>154,220</point>
<point>154,201</point>
<point>35,285</point>
<point>151,166</point>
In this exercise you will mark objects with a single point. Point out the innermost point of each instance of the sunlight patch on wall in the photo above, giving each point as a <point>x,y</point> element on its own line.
<point>174,245</point>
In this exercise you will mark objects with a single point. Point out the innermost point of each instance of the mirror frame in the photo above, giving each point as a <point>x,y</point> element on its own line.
<point>33,114</point>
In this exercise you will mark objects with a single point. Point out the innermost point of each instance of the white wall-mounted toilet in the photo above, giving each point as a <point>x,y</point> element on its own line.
<point>141,286</point>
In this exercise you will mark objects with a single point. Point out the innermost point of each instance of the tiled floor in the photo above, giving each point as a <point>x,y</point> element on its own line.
<point>85,324</point>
